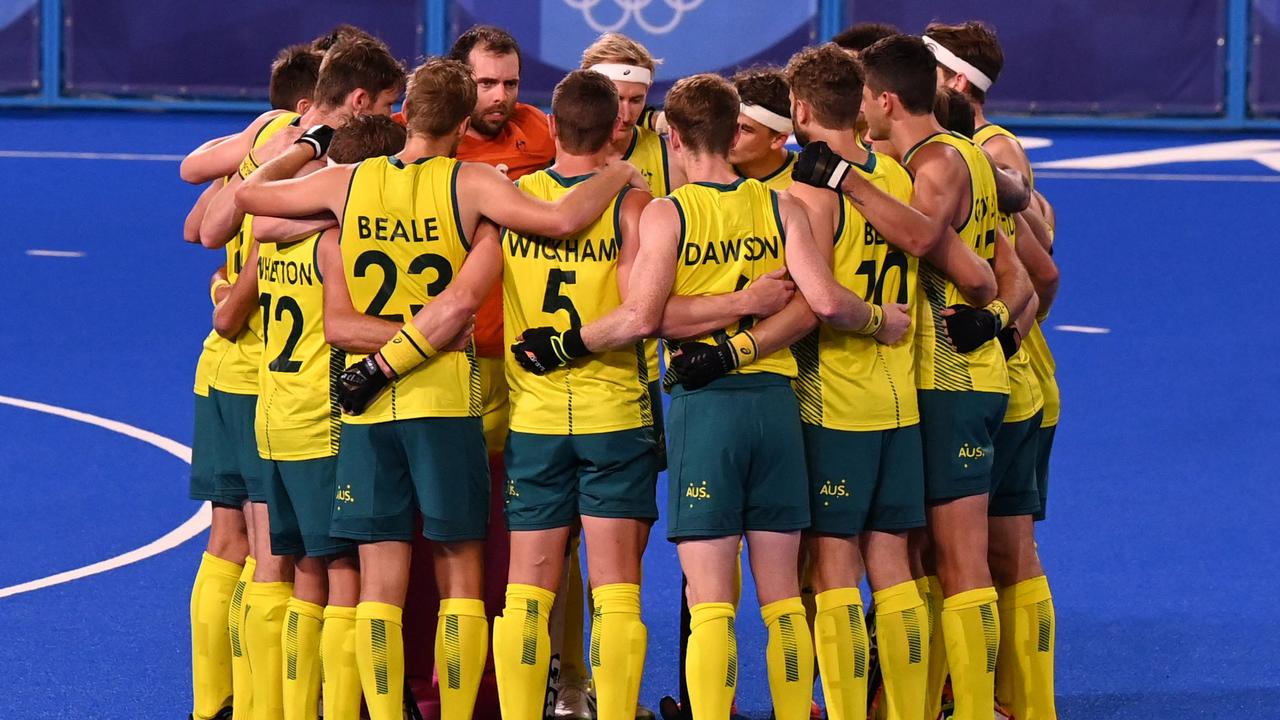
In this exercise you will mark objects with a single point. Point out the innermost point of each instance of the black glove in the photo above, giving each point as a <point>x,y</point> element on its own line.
<point>697,364</point>
<point>970,327</point>
<point>359,384</point>
<point>1010,341</point>
<point>817,165</point>
<point>318,138</point>
<point>542,349</point>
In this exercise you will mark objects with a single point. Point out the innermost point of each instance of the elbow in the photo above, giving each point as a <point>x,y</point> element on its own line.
<point>644,324</point>
<point>246,199</point>
<point>825,308</point>
<point>979,294</point>
<point>187,172</point>
<point>223,325</point>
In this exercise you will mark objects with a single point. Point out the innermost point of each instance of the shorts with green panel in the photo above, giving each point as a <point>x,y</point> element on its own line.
<point>1014,490</point>
<point>1044,447</point>
<point>736,459</point>
<point>206,484</point>
<point>552,479</point>
<point>858,481</point>
<point>300,503</point>
<point>958,430</point>
<point>241,471</point>
<point>659,427</point>
<point>437,466</point>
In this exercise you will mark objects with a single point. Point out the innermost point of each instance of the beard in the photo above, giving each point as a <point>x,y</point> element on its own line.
<point>491,127</point>
<point>802,137</point>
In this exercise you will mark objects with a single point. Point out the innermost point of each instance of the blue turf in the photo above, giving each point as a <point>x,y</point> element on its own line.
<point>1159,543</point>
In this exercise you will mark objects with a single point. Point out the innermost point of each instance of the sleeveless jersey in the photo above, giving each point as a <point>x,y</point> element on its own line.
<point>569,283</point>
<point>938,366</point>
<point>237,370</point>
<point>1025,397</point>
<point>402,245</point>
<point>848,381</point>
<point>779,180</point>
<point>729,236</point>
<point>1038,356</point>
<point>298,417</point>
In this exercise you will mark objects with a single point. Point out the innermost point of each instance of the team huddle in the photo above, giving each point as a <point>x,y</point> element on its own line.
<point>465,314</point>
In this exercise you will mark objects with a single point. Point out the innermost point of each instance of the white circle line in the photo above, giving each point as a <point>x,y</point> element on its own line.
<point>1086,329</point>
<point>56,253</point>
<point>193,526</point>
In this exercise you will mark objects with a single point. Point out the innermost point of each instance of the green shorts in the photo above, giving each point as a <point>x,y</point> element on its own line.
<point>241,472</point>
<point>858,481</point>
<point>300,506</point>
<point>958,430</point>
<point>1014,490</point>
<point>659,427</point>
<point>205,480</point>
<point>1044,447</point>
<point>737,459</point>
<point>552,479</point>
<point>437,466</point>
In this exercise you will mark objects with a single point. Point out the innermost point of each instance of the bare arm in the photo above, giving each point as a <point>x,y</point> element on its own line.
<point>191,226</point>
<point>344,326</point>
<point>273,190</point>
<point>633,205</point>
<point>686,316</point>
<point>487,192</point>
<point>286,230</point>
<point>1011,277</point>
<point>221,156</point>
<point>810,262</point>
<point>222,219</point>
<point>796,319</point>
<point>652,277</point>
<point>1013,190</point>
<point>916,228</point>
<point>447,315</point>
<point>1041,268</point>
<point>230,315</point>
<point>972,275</point>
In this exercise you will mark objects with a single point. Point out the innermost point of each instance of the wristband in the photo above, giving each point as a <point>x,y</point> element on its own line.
<point>216,286</point>
<point>1001,311</point>
<point>874,322</point>
<point>406,350</point>
<point>745,350</point>
<point>248,165</point>
<point>1042,315</point>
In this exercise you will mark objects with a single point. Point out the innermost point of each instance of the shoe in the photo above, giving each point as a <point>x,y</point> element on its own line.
<point>644,713</point>
<point>573,702</point>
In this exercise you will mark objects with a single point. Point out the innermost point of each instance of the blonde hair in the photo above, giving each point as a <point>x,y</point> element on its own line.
<point>618,48</point>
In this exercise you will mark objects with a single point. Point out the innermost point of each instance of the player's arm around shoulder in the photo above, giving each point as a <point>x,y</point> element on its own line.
<point>1041,268</point>
<point>271,229</point>
<point>941,181</point>
<point>221,156</point>
<point>1013,187</point>
<point>273,190</point>
<point>634,201</point>
<point>482,190</point>
<point>195,216</point>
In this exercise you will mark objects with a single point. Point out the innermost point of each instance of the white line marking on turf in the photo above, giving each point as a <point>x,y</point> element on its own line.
<point>1173,177</point>
<point>1086,329</point>
<point>193,526</point>
<point>67,155</point>
<point>55,253</point>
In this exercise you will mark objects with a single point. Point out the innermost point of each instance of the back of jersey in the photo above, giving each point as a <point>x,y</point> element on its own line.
<point>939,366</point>
<point>402,244</point>
<point>730,235</point>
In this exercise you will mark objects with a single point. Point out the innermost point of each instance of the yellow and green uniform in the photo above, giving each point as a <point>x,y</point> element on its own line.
<point>595,413</point>
<point>737,460</point>
<point>858,396</point>
<point>298,420</point>
<point>780,179</point>
<point>402,244</point>
<point>963,396</point>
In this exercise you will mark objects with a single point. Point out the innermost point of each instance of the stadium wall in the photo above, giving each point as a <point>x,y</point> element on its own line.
<point>1193,64</point>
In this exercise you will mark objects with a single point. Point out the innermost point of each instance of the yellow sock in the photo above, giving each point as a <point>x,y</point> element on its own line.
<point>971,632</point>
<point>241,677</point>
<point>711,660</point>
<point>903,648</point>
<point>840,635</point>
<point>303,623</point>
<point>571,639</point>
<point>380,658</point>
<point>265,605</point>
<point>210,645</point>
<point>789,659</point>
<point>339,674</point>
<point>462,646</point>
<point>1025,665</point>
<point>931,592</point>
<point>522,651</point>
<point>619,640</point>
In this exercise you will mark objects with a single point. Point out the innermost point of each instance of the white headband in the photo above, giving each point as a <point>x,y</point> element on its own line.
<point>952,62</point>
<point>624,73</point>
<point>768,118</point>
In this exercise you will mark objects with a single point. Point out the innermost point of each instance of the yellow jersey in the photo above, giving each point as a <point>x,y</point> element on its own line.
<point>237,369</point>
<point>939,366</point>
<point>848,381</point>
<point>988,131</point>
<point>298,417</point>
<point>1025,397</point>
<point>568,283</point>
<point>402,244</point>
<point>779,180</point>
<point>729,236</point>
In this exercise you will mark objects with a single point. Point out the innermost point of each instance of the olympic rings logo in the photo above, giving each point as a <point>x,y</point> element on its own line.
<point>634,10</point>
